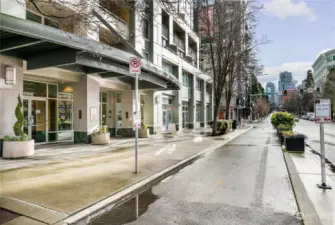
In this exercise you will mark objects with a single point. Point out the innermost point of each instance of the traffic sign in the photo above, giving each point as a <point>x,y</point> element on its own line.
<point>134,65</point>
<point>322,111</point>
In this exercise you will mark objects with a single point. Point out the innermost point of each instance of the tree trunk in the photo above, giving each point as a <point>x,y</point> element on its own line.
<point>215,119</point>
<point>228,100</point>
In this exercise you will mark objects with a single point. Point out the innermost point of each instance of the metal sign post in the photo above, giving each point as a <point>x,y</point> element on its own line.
<point>323,115</point>
<point>135,68</point>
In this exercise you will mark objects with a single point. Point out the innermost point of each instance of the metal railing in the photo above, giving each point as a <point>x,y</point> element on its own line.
<point>180,44</point>
<point>103,8</point>
<point>165,32</point>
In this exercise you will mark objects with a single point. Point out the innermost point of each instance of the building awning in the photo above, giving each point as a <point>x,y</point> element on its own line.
<point>43,46</point>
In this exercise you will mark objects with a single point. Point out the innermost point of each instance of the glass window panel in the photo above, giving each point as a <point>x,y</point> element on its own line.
<point>31,88</point>
<point>33,17</point>
<point>52,117</point>
<point>52,91</point>
<point>118,97</point>
<point>51,23</point>
<point>103,114</point>
<point>38,121</point>
<point>52,136</point>
<point>103,97</point>
<point>64,115</point>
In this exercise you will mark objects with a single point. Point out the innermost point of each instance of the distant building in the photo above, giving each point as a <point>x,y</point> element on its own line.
<point>285,82</point>
<point>321,67</point>
<point>271,89</point>
<point>290,94</point>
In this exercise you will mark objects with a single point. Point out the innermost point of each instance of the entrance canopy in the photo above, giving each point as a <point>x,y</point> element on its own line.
<point>43,46</point>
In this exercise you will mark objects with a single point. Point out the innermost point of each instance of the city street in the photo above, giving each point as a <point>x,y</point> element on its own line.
<point>243,183</point>
<point>312,131</point>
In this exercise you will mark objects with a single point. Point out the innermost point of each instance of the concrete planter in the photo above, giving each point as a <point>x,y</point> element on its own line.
<point>18,149</point>
<point>295,143</point>
<point>101,139</point>
<point>143,133</point>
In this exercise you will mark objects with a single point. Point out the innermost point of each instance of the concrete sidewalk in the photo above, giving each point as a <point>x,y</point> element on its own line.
<point>316,205</point>
<point>65,188</point>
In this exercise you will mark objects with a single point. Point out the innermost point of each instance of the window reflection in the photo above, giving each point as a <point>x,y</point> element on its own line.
<point>64,115</point>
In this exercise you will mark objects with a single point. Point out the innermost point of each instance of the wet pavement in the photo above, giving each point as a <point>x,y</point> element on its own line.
<point>312,131</point>
<point>245,182</point>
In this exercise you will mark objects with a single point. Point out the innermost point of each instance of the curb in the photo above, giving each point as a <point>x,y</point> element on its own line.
<point>85,215</point>
<point>304,203</point>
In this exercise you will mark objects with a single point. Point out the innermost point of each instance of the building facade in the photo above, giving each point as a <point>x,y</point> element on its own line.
<point>321,67</point>
<point>271,89</point>
<point>285,82</point>
<point>74,78</point>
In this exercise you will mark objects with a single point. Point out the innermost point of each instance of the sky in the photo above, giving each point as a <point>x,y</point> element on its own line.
<point>298,31</point>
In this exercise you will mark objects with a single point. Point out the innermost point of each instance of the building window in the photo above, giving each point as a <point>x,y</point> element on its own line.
<point>199,85</point>
<point>187,79</point>
<point>32,16</point>
<point>145,55</point>
<point>198,109</point>
<point>145,28</point>
<point>170,69</point>
<point>103,108</point>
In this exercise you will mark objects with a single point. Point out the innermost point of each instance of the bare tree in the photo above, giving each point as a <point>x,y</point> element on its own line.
<point>229,44</point>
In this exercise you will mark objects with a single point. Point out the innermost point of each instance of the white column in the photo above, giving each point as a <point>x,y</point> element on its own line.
<point>180,102</point>
<point>186,43</point>
<point>193,101</point>
<point>204,104</point>
<point>170,30</point>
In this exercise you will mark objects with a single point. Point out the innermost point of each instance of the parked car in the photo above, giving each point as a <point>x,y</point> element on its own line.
<point>304,117</point>
<point>311,118</point>
<point>296,119</point>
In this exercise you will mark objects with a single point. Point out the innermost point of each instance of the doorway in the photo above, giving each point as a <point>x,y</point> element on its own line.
<point>35,119</point>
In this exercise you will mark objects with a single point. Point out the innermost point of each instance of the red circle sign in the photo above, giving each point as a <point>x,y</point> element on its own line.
<point>135,63</point>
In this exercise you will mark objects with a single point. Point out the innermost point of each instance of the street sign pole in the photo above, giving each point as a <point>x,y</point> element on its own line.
<point>136,129</point>
<point>135,68</point>
<point>322,115</point>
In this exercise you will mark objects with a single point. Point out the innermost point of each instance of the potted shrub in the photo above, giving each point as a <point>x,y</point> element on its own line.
<point>143,132</point>
<point>20,145</point>
<point>294,142</point>
<point>100,136</point>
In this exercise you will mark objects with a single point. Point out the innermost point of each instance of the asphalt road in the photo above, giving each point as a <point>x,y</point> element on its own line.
<point>312,131</point>
<point>244,183</point>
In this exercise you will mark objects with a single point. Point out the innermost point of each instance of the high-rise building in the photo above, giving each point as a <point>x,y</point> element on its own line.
<point>286,81</point>
<point>321,67</point>
<point>271,89</point>
<point>73,74</point>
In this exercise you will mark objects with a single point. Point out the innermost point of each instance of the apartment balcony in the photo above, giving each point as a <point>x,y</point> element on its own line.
<point>208,98</point>
<point>165,32</point>
<point>185,92</point>
<point>119,25</point>
<point>191,57</point>
<point>179,43</point>
<point>198,96</point>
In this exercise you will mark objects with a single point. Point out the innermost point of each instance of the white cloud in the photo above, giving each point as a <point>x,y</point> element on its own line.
<point>288,8</point>
<point>298,70</point>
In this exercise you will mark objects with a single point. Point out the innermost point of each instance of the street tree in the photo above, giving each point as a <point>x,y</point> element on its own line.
<point>262,107</point>
<point>329,87</point>
<point>228,46</point>
<point>309,79</point>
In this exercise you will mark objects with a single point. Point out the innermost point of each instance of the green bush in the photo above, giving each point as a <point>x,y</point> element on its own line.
<point>19,118</point>
<point>283,118</point>
<point>100,130</point>
<point>17,128</point>
<point>23,137</point>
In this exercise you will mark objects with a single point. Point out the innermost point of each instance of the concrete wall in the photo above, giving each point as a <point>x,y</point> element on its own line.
<point>8,94</point>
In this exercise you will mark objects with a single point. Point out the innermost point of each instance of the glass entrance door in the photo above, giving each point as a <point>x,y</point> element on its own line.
<point>35,122</point>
